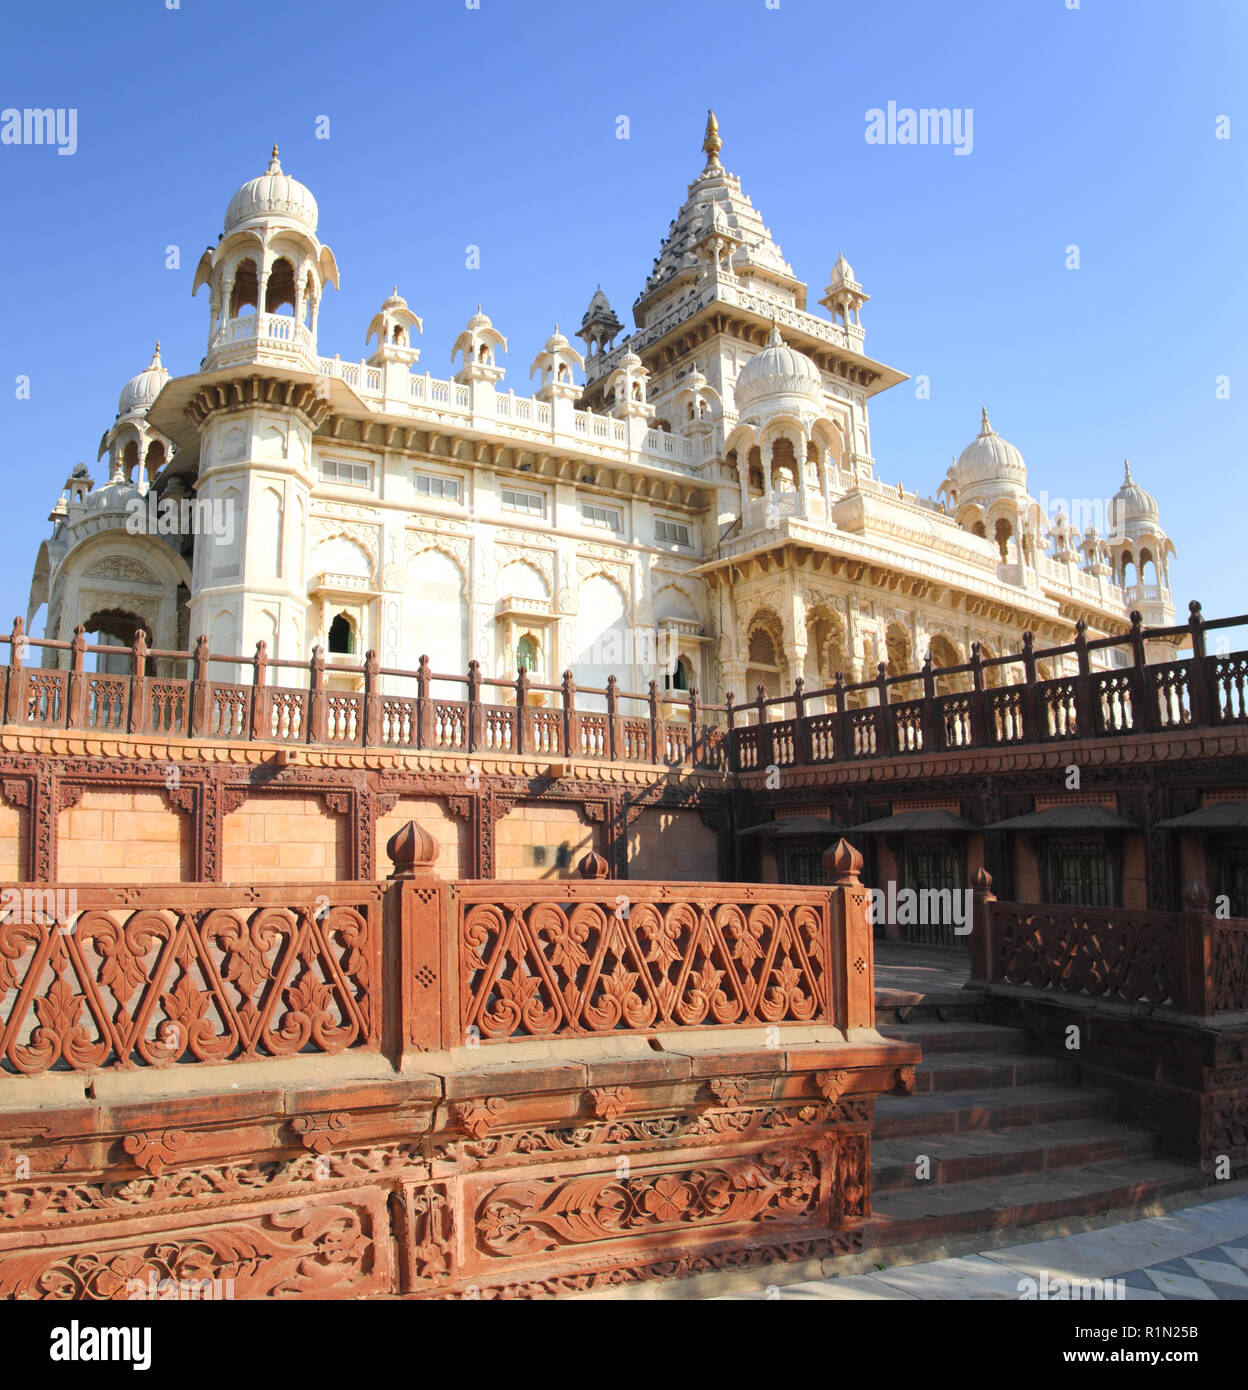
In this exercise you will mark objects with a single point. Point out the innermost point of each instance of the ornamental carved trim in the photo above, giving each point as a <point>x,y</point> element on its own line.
<point>709,1127</point>
<point>544,1214</point>
<point>335,1246</point>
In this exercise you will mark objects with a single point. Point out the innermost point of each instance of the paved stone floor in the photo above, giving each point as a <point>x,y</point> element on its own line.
<point>901,969</point>
<point>1195,1253</point>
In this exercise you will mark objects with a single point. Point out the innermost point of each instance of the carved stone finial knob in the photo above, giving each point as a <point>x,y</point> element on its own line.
<point>842,864</point>
<point>594,866</point>
<point>412,851</point>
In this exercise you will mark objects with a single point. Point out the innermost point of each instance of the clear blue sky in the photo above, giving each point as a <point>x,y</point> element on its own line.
<point>497,127</point>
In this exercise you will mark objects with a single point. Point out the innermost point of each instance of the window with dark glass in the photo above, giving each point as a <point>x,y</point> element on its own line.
<point>802,864</point>
<point>1233,879</point>
<point>1080,875</point>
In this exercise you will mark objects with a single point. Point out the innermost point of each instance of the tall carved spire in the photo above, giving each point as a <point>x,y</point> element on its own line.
<point>712,144</point>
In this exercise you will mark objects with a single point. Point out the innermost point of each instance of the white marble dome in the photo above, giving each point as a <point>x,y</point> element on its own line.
<point>140,391</point>
<point>112,497</point>
<point>1132,503</point>
<point>988,458</point>
<point>273,194</point>
<point>778,371</point>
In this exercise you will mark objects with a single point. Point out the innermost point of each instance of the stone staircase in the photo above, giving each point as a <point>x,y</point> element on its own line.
<point>1012,1138</point>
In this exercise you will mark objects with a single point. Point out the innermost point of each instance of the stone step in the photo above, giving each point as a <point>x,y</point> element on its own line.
<point>959,1036</point>
<point>909,1218</point>
<point>960,1112</point>
<point>944,1072</point>
<point>901,1007</point>
<point>972,1157</point>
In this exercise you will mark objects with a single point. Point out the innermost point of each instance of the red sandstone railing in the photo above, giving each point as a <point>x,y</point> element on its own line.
<point>116,978</point>
<point>121,978</point>
<point>1190,961</point>
<point>888,716</point>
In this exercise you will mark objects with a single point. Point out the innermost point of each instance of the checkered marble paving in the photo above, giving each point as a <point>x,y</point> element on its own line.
<point>1197,1254</point>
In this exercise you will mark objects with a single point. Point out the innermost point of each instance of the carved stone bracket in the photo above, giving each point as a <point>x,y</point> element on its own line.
<point>152,1150</point>
<point>477,1117</point>
<point>321,1132</point>
<point>729,1091</point>
<point>609,1101</point>
<point>15,792</point>
<point>830,1084</point>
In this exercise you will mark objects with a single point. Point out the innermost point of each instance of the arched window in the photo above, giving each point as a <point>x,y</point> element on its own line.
<point>280,291</point>
<point>246,289</point>
<point>678,678</point>
<point>341,636</point>
<point>526,653</point>
<point>1004,535</point>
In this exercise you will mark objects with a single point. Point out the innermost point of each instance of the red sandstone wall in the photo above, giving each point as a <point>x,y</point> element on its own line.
<point>530,834</point>
<point>672,845</point>
<point>284,839</point>
<point>118,837</point>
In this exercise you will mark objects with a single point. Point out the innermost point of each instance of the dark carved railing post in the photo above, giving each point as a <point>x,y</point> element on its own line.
<point>138,684</point>
<point>1143,715</point>
<point>13,690</point>
<point>77,714</point>
<point>318,721</point>
<point>933,730</point>
<point>762,729</point>
<point>695,715</point>
<point>888,729</point>
<point>979,702</point>
<point>852,947</point>
<point>615,741</point>
<point>1031,725</point>
<point>1085,719</point>
<point>426,733</point>
<point>476,716</point>
<point>844,731</point>
<point>567,692</point>
<point>658,735</point>
<point>200,689</point>
<point>259,696</point>
<point>1202,690</point>
<point>982,947</point>
<point>801,734</point>
<point>1194,988</point>
<point>732,762</point>
<point>370,734</point>
<point>524,718</point>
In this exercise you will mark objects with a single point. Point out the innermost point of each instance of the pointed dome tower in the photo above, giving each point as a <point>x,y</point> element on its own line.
<point>266,276</point>
<point>844,298</point>
<point>1140,551</point>
<point>394,326</point>
<point>480,343</point>
<point>600,326</point>
<point>988,489</point>
<point>555,363</point>
<point>136,451</point>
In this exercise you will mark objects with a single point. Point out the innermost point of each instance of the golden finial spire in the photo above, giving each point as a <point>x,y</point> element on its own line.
<point>985,426</point>
<point>274,164</point>
<point>1126,464</point>
<point>712,144</point>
